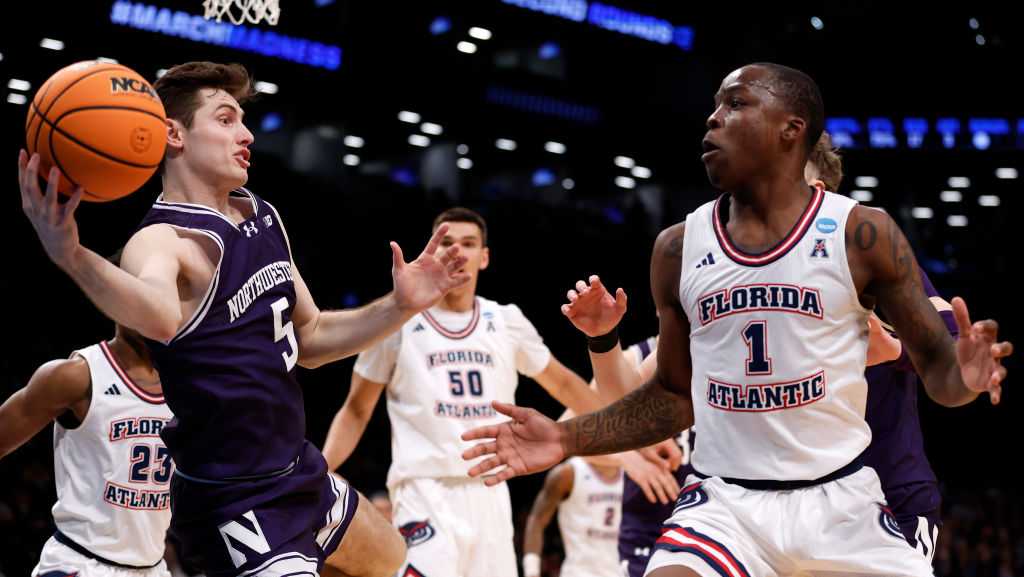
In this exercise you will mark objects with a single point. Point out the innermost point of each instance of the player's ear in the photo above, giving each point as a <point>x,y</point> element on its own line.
<point>794,129</point>
<point>175,136</point>
<point>485,257</point>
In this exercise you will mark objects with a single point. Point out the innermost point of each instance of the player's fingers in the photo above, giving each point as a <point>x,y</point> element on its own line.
<point>52,184</point>
<point>71,205</point>
<point>500,478</point>
<point>519,414</point>
<point>620,299</point>
<point>987,328</point>
<point>595,282</point>
<point>435,239</point>
<point>487,432</point>
<point>581,287</point>
<point>997,376</point>
<point>457,263</point>
<point>1003,349</point>
<point>645,486</point>
<point>960,314</point>
<point>659,490</point>
<point>397,258</point>
<point>572,295</point>
<point>995,393</point>
<point>485,466</point>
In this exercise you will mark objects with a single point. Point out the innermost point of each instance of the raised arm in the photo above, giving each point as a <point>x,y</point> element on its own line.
<point>662,407</point>
<point>349,423</point>
<point>597,314</point>
<point>144,296</point>
<point>557,487</point>
<point>326,336</point>
<point>885,270</point>
<point>54,388</point>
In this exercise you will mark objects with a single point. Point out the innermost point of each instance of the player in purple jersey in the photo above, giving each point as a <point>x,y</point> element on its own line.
<point>210,282</point>
<point>766,121</point>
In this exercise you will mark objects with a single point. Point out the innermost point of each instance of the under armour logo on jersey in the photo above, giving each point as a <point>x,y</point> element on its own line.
<point>113,390</point>
<point>820,250</point>
<point>250,229</point>
<point>706,261</point>
<point>268,221</point>
<point>418,328</point>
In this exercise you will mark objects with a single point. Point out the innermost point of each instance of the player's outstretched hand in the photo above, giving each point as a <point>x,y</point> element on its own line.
<point>657,483</point>
<point>529,443</point>
<point>979,355</point>
<point>54,222</point>
<point>422,282</point>
<point>882,346</point>
<point>592,309</point>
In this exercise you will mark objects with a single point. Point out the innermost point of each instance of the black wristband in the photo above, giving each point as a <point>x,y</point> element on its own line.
<point>605,342</point>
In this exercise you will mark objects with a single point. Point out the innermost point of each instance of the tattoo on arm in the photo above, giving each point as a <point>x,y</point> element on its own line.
<point>865,235</point>
<point>641,418</point>
<point>675,247</point>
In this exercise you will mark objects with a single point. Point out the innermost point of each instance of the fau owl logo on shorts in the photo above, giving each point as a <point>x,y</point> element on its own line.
<point>416,532</point>
<point>690,497</point>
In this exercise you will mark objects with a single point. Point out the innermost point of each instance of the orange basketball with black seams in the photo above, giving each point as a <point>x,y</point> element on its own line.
<point>102,125</point>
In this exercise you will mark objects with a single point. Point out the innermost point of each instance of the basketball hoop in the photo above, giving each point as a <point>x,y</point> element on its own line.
<point>240,11</point>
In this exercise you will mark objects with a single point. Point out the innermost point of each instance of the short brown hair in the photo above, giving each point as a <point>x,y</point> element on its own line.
<point>461,214</point>
<point>826,159</point>
<point>179,87</point>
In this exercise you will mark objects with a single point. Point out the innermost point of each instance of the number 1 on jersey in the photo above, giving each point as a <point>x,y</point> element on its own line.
<point>755,334</point>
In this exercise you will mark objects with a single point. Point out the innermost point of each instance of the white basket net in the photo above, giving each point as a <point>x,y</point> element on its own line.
<point>241,11</point>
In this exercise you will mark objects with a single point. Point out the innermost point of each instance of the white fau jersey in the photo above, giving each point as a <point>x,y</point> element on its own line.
<point>589,522</point>
<point>112,471</point>
<point>778,343</point>
<point>442,371</point>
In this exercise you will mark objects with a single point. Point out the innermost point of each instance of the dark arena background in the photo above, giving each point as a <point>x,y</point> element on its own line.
<point>574,127</point>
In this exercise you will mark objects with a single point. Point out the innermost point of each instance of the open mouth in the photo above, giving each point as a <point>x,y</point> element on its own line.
<point>709,148</point>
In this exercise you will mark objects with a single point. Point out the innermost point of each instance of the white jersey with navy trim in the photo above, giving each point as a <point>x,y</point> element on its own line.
<point>778,343</point>
<point>442,371</point>
<point>589,522</point>
<point>112,471</point>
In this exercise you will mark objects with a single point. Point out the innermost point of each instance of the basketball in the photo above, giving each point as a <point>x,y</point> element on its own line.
<point>101,124</point>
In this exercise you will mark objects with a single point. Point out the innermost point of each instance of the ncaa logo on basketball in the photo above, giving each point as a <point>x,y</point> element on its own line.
<point>826,225</point>
<point>130,85</point>
<point>416,532</point>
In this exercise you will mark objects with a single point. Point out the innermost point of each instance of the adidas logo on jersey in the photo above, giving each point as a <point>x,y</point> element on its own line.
<point>706,261</point>
<point>418,328</point>
<point>113,390</point>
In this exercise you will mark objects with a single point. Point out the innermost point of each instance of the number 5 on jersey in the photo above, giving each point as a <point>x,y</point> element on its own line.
<point>283,331</point>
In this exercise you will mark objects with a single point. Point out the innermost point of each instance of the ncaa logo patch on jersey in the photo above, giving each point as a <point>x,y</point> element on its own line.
<point>820,248</point>
<point>416,532</point>
<point>826,225</point>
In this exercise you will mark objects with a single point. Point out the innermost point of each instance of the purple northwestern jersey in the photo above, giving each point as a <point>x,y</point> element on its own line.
<point>228,374</point>
<point>897,452</point>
